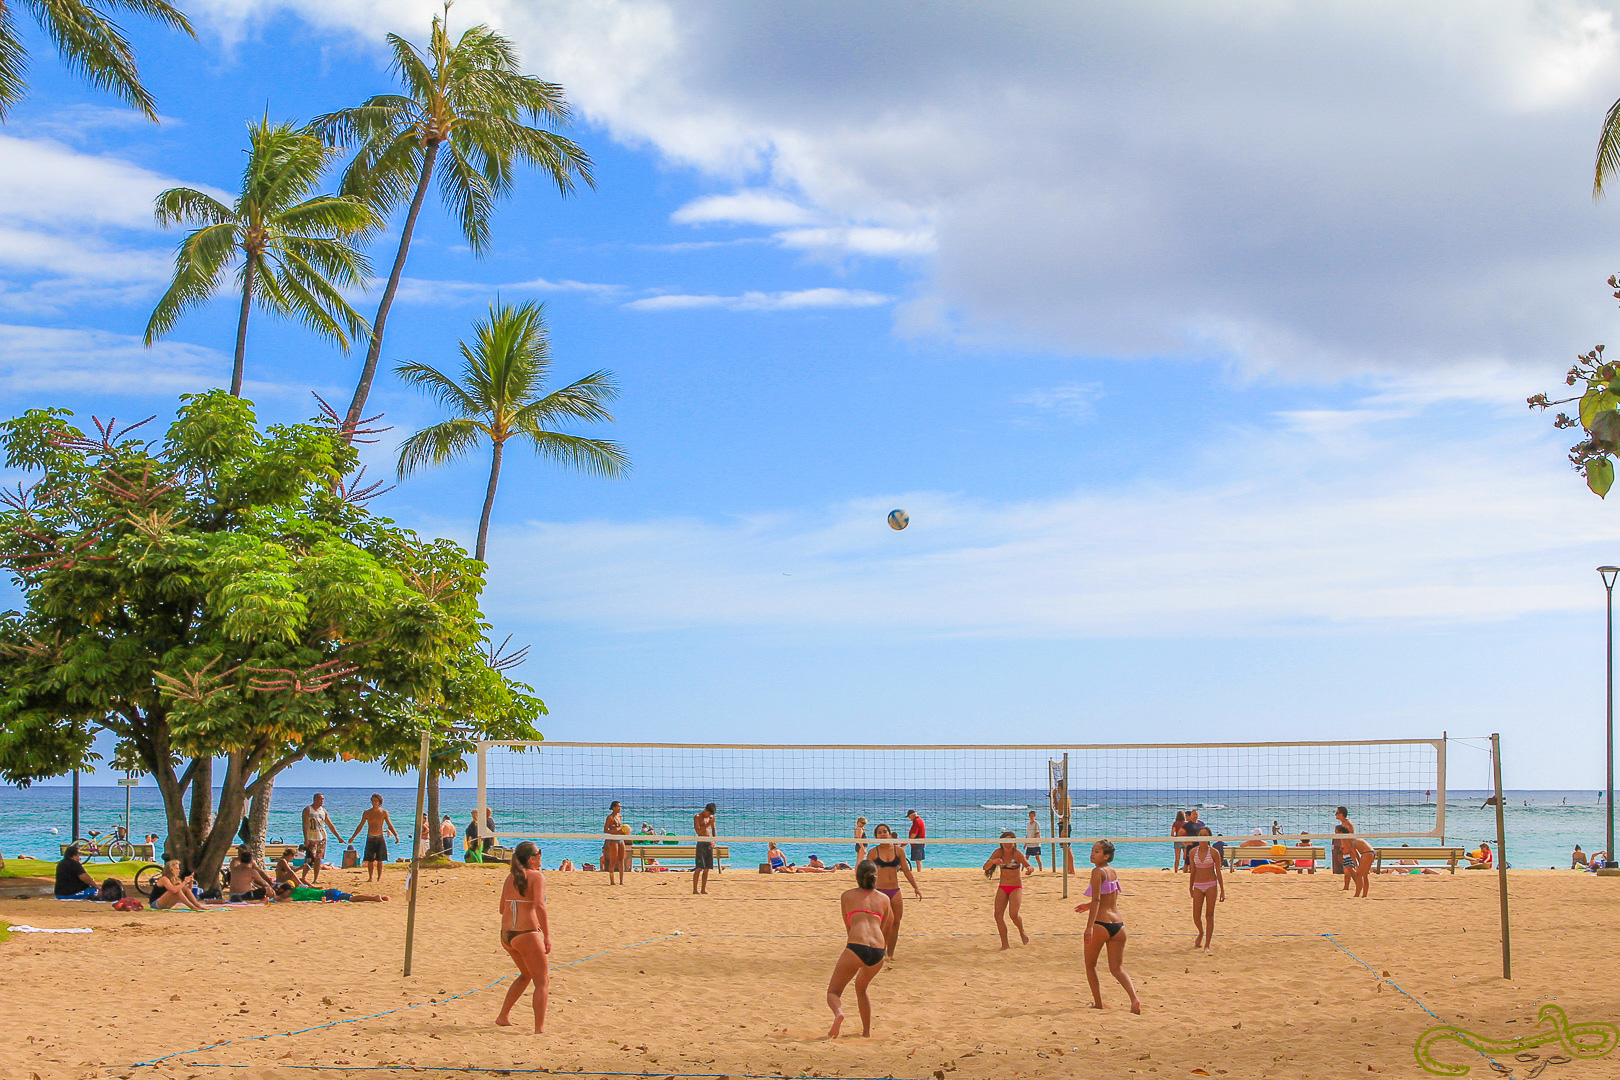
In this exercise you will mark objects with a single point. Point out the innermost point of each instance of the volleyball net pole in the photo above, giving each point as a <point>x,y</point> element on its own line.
<point>1501,854</point>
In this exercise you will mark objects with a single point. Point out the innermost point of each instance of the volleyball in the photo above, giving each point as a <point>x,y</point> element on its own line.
<point>898,519</point>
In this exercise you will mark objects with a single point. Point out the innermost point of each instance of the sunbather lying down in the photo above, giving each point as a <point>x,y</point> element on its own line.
<point>286,891</point>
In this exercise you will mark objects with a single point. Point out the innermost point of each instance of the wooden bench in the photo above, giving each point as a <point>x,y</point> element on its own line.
<point>1249,855</point>
<point>678,852</point>
<point>1451,856</point>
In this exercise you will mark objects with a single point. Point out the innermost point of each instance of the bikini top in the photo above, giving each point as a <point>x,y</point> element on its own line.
<point>862,911</point>
<point>887,864</point>
<point>1204,862</point>
<point>1109,885</point>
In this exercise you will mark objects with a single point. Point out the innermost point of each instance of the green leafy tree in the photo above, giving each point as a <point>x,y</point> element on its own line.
<point>461,117</point>
<point>88,41</point>
<point>291,246</point>
<point>1597,413</point>
<point>224,593</point>
<point>501,396</point>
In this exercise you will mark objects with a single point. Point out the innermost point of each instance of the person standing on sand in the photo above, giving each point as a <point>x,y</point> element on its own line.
<point>1358,858</point>
<point>860,834</point>
<point>1202,884</point>
<point>1032,849</point>
<point>489,829</point>
<point>615,855</point>
<point>317,822</point>
<point>703,825</point>
<point>1104,927</point>
<point>1010,890</point>
<point>1344,826</point>
<point>376,822</point>
<point>919,831</point>
<point>526,934</point>
<point>447,837</point>
<point>890,859</point>
<point>862,958</point>
<point>1178,828</point>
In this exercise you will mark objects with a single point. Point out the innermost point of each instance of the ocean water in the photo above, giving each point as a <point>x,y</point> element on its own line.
<point>1542,826</point>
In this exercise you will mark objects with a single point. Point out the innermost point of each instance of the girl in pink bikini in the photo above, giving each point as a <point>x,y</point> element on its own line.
<point>1011,862</point>
<point>866,910</point>
<point>890,860</point>
<point>1202,885</point>
<point>1104,927</point>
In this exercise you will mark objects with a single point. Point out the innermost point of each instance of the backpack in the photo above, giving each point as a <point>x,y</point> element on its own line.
<point>128,903</point>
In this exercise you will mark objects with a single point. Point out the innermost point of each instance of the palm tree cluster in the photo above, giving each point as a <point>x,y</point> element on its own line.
<point>464,116</point>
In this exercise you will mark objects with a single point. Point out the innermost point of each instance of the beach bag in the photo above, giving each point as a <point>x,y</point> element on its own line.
<point>350,858</point>
<point>129,903</point>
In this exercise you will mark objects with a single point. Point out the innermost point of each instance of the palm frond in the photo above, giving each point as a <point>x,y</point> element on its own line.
<point>330,216</point>
<point>449,392</point>
<point>466,195</point>
<point>188,204</point>
<point>94,48</point>
<point>595,457</point>
<point>585,400</point>
<point>13,62</point>
<point>411,68</point>
<point>1608,151</point>
<point>199,264</point>
<point>443,442</point>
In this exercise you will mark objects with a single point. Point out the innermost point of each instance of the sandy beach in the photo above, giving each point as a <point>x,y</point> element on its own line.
<point>649,980</point>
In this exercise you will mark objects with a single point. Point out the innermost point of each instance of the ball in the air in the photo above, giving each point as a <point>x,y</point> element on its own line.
<point>898,519</point>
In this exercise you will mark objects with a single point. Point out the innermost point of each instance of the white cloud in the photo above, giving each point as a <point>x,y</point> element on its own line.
<point>763,301</point>
<point>38,358</point>
<point>743,208</point>
<point>1315,534</point>
<point>862,240</point>
<point>1307,188</point>
<point>1074,401</point>
<point>437,291</point>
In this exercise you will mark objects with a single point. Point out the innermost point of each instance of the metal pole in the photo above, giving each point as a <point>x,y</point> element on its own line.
<point>126,808</point>
<point>1063,823</point>
<point>1501,855</point>
<point>1051,816</point>
<point>1608,587</point>
<point>416,853</point>
<point>74,836</point>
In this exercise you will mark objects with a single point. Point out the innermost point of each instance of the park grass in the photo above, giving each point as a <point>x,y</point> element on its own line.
<point>39,868</point>
<point>5,930</point>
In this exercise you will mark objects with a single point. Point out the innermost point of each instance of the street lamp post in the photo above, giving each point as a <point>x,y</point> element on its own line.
<point>1609,574</point>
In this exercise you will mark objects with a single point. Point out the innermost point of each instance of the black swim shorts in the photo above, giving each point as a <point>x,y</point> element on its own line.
<point>705,856</point>
<point>376,850</point>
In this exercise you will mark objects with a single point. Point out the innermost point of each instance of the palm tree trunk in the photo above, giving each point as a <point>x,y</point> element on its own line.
<point>489,500</point>
<point>374,347</point>
<point>241,329</point>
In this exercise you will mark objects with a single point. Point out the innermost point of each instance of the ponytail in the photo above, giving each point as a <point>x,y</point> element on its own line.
<point>520,865</point>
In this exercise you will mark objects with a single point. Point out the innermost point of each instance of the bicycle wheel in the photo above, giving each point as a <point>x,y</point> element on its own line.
<point>144,878</point>
<point>87,849</point>
<point>120,851</point>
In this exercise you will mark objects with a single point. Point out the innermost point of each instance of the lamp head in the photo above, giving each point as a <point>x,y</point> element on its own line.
<point>1609,573</point>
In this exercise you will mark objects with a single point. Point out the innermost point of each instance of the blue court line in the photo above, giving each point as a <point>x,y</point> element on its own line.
<point>386,1012</point>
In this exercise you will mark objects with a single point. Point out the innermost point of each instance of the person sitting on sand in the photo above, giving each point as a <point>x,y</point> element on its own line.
<point>865,910</point>
<point>778,862</point>
<point>171,889</point>
<point>72,883</point>
<point>813,866</point>
<point>650,865</point>
<point>287,873</point>
<point>567,866</point>
<point>249,882</point>
<point>1579,858</point>
<point>1480,859</point>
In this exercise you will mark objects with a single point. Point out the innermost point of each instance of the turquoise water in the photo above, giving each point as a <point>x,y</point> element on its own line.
<point>1542,826</point>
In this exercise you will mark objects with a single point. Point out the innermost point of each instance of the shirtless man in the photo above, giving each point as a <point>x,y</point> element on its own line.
<point>614,854</point>
<point>376,822</point>
<point>703,825</point>
<point>248,880</point>
<point>316,824</point>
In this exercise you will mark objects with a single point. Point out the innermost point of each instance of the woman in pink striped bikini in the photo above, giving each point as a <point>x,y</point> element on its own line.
<point>1204,881</point>
<point>1012,864</point>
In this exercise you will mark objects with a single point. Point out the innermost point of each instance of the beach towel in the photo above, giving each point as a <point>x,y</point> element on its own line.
<point>45,930</point>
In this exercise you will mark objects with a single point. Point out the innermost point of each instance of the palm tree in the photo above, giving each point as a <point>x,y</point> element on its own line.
<point>89,42</point>
<point>293,246</point>
<point>502,396</point>
<point>463,101</point>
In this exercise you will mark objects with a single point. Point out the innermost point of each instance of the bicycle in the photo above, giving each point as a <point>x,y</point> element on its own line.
<point>114,848</point>
<point>145,877</point>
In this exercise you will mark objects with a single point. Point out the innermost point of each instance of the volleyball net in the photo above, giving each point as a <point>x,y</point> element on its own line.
<point>811,796</point>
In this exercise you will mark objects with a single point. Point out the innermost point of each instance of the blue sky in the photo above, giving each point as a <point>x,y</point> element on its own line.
<point>1194,338</point>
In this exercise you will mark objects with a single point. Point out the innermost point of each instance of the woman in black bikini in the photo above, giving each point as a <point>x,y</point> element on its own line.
<point>1008,859</point>
<point>864,917</point>
<point>526,934</point>
<point>1104,927</point>
<point>890,860</point>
